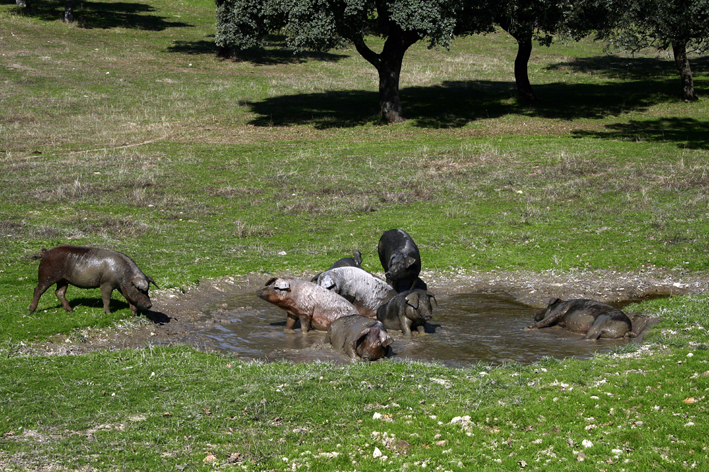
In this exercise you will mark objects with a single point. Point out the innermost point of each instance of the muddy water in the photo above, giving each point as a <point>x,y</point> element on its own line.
<point>465,329</point>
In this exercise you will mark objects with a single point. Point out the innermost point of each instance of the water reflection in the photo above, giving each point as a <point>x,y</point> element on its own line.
<point>465,329</point>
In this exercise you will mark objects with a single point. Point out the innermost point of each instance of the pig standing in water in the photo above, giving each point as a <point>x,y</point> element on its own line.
<point>596,319</point>
<point>313,305</point>
<point>90,267</point>
<point>359,336</point>
<point>407,311</point>
<point>401,260</point>
<point>362,289</point>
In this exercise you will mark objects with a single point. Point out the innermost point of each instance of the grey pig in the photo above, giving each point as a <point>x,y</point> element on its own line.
<point>595,319</point>
<point>90,267</point>
<point>407,311</point>
<point>359,336</point>
<point>362,289</point>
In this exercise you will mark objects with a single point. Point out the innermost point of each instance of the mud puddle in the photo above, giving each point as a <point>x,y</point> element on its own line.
<point>466,328</point>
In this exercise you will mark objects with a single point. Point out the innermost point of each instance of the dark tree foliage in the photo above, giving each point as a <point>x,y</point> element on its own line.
<point>682,25</point>
<point>321,25</point>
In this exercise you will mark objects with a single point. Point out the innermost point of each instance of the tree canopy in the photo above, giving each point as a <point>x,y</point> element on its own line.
<point>682,25</point>
<point>324,24</point>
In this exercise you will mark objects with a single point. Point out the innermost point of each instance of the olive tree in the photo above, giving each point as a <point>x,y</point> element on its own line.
<point>525,21</point>
<point>321,25</point>
<point>682,25</point>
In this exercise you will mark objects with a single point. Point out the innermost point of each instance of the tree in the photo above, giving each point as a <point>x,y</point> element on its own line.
<point>68,9</point>
<point>321,25</point>
<point>682,25</point>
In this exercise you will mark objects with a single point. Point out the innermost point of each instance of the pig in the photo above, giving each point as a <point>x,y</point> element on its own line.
<point>595,319</point>
<point>407,311</point>
<point>91,267</point>
<point>354,261</point>
<point>362,289</point>
<point>401,260</point>
<point>315,306</point>
<point>359,337</point>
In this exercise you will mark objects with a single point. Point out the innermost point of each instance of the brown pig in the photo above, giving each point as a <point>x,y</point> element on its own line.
<point>313,305</point>
<point>359,336</point>
<point>90,267</point>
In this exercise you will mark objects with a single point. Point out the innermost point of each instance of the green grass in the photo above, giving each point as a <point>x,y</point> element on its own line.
<point>126,131</point>
<point>166,408</point>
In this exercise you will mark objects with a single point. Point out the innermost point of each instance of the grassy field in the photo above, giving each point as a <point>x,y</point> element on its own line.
<point>126,131</point>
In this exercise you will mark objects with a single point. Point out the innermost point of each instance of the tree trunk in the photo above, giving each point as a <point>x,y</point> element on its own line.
<point>524,52</point>
<point>388,64</point>
<point>679,48</point>
<point>389,74</point>
<point>69,11</point>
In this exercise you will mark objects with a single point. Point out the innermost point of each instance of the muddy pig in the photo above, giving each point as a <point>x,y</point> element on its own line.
<point>90,267</point>
<point>407,311</point>
<point>595,319</point>
<point>362,289</point>
<point>355,261</point>
<point>359,336</point>
<point>315,306</point>
<point>401,260</point>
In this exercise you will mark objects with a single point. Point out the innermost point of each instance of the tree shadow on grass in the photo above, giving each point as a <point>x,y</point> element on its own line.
<point>100,15</point>
<point>455,104</point>
<point>686,132</point>
<point>629,68</point>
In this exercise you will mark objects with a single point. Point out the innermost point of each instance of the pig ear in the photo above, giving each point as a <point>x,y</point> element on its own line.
<point>140,283</point>
<point>357,257</point>
<point>151,281</point>
<point>410,261</point>
<point>385,339</point>
<point>281,284</point>
<point>270,281</point>
<point>430,295</point>
<point>327,282</point>
<point>554,301</point>
<point>413,300</point>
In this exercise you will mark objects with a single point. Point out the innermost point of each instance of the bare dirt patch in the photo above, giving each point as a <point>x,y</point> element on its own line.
<point>176,313</point>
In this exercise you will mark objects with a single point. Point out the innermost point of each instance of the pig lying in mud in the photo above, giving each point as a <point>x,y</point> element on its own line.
<point>90,267</point>
<point>315,306</point>
<point>401,260</point>
<point>407,311</point>
<point>359,337</point>
<point>595,319</point>
<point>362,289</point>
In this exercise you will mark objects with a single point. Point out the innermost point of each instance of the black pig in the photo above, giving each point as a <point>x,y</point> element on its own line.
<point>401,260</point>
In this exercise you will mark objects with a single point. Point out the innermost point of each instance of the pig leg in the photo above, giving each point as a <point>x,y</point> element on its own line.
<point>290,321</point>
<point>304,325</point>
<point>548,321</point>
<point>421,329</point>
<point>106,290</point>
<point>62,285</point>
<point>38,291</point>
<point>405,326</point>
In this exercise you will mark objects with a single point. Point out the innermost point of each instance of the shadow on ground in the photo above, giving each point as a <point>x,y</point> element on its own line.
<point>90,15</point>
